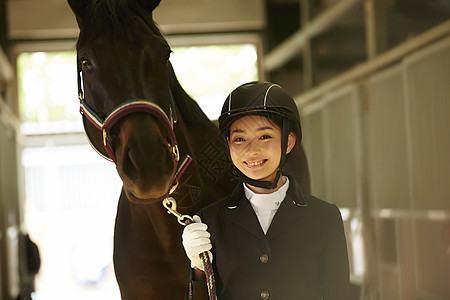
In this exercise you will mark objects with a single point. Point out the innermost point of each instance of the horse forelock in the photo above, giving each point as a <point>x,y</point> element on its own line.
<point>118,20</point>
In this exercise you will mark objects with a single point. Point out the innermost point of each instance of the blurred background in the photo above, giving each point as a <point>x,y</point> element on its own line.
<point>371,79</point>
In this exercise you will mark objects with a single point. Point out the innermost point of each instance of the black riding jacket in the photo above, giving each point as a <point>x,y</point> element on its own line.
<point>302,256</point>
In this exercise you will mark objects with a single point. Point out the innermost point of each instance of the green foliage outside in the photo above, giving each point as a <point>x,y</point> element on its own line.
<point>47,86</point>
<point>210,73</point>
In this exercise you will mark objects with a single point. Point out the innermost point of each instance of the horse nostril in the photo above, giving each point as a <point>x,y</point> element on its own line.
<point>129,164</point>
<point>140,158</point>
<point>132,157</point>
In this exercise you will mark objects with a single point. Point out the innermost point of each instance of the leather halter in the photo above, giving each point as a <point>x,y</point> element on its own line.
<point>126,108</point>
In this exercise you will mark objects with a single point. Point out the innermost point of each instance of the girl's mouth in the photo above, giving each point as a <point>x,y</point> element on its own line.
<point>255,164</point>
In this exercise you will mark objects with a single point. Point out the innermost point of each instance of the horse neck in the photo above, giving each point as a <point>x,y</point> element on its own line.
<point>200,138</point>
<point>148,222</point>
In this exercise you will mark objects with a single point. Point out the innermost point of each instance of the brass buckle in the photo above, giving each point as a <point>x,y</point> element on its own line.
<point>175,152</point>
<point>171,205</point>
<point>105,137</point>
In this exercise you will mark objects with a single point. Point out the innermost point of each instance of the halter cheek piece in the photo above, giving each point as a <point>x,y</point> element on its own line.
<point>126,108</point>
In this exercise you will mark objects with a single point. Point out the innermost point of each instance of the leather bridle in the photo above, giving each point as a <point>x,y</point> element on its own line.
<point>104,125</point>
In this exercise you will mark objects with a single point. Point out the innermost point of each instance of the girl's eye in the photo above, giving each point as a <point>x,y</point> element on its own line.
<point>238,139</point>
<point>265,137</point>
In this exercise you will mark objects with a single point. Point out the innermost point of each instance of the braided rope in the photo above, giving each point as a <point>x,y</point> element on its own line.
<point>210,281</point>
<point>209,273</point>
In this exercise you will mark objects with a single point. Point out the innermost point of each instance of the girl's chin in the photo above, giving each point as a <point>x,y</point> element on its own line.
<point>260,177</point>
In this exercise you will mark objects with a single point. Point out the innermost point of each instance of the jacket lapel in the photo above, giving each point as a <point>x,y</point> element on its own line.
<point>290,211</point>
<point>243,213</point>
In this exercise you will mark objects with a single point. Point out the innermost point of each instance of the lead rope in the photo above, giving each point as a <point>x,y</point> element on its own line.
<point>209,273</point>
<point>171,205</point>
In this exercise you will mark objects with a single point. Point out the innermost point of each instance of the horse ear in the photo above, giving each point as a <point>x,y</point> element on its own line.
<point>79,8</point>
<point>149,5</point>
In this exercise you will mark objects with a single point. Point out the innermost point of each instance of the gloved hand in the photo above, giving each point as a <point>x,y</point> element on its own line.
<point>195,241</point>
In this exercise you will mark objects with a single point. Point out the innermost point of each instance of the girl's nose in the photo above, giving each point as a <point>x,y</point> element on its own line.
<point>252,148</point>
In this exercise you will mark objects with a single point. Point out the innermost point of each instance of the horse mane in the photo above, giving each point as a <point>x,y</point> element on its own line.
<point>189,108</point>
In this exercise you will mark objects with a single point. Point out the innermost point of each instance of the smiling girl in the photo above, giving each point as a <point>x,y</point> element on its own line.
<point>268,239</point>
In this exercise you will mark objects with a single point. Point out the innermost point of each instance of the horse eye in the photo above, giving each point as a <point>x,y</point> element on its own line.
<point>87,65</point>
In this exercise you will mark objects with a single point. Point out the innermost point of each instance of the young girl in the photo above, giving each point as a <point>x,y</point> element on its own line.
<point>267,240</point>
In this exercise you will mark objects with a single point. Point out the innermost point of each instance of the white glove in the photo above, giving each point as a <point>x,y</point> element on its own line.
<point>195,241</point>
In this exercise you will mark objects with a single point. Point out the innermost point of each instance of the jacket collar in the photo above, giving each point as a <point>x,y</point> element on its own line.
<point>244,216</point>
<point>294,192</point>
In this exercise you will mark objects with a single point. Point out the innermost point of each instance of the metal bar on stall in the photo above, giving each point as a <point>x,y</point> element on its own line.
<point>321,23</point>
<point>377,63</point>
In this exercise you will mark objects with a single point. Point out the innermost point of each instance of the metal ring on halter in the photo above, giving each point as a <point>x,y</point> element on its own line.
<point>105,136</point>
<point>175,151</point>
<point>171,205</point>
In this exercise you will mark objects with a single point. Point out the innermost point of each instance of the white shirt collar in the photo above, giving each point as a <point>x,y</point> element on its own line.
<point>268,201</point>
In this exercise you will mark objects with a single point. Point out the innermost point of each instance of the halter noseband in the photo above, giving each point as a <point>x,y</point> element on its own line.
<point>126,108</point>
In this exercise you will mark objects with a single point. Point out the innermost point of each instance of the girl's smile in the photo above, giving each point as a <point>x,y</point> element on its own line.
<point>256,164</point>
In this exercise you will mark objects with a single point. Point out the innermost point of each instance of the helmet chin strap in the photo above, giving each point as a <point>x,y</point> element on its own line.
<point>258,183</point>
<point>263,183</point>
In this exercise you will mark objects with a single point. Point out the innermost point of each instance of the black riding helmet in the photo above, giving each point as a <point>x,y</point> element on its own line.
<point>265,99</point>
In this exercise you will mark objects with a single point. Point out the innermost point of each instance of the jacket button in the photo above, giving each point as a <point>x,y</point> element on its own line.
<point>265,295</point>
<point>264,258</point>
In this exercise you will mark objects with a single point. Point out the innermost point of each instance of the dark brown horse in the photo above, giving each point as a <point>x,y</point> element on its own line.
<point>130,97</point>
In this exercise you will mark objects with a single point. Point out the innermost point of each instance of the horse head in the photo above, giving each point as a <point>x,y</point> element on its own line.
<point>123,65</point>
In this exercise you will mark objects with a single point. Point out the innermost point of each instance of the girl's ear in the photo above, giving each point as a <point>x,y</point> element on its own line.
<point>292,139</point>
